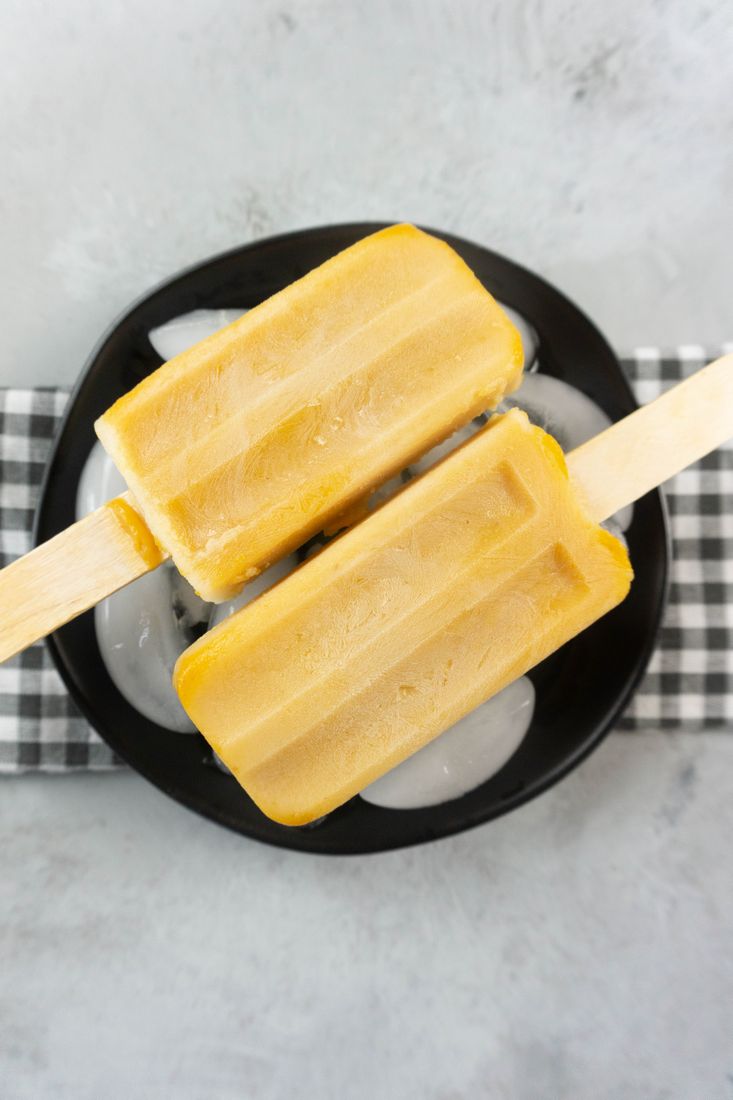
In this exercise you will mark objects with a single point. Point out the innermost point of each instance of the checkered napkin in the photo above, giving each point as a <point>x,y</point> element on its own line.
<point>40,728</point>
<point>689,683</point>
<point>689,680</point>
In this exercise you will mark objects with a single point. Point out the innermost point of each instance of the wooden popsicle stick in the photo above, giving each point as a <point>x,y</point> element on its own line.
<point>72,572</point>
<point>113,546</point>
<point>654,443</point>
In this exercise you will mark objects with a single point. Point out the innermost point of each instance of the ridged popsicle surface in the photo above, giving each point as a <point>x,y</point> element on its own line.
<point>465,580</point>
<point>240,449</point>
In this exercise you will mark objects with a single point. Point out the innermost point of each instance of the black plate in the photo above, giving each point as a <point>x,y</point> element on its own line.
<point>581,690</point>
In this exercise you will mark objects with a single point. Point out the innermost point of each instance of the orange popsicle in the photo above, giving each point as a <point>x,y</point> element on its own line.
<point>454,588</point>
<point>241,448</point>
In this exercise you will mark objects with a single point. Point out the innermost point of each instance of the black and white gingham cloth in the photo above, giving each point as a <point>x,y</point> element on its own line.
<point>40,728</point>
<point>689,683</point>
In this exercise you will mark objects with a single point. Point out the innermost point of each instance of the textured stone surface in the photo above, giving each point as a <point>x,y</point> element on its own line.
<point>579,948</point>
<point>589,141</point>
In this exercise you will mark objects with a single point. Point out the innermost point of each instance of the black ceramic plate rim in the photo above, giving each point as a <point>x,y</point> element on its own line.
<point>533,788</point>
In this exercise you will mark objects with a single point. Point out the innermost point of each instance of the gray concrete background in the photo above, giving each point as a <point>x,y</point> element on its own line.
<point>590,141</point>
<point>579,948</point>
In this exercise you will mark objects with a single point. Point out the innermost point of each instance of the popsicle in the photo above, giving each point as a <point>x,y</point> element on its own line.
<point>241,448</point>
<point>461,583</point>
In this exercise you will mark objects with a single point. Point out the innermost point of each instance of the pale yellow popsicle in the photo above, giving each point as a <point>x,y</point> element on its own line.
<point>241,448</point>
<point>461,583</point>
